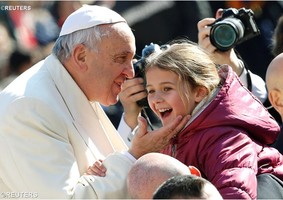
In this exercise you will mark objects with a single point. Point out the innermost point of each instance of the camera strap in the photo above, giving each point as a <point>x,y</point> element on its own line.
<point>249,79</point>
<point>144,113</point>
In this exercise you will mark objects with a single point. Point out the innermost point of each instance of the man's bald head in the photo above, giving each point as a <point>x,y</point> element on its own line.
<point>150,171</point>
<point>274,83</point>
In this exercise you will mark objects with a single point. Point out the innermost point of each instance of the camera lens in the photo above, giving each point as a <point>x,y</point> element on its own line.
<point>225,34</point>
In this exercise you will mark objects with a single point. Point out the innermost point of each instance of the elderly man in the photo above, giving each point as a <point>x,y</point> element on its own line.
<point>274,83</point>
<point>52,127</point>
<point>151,170</point>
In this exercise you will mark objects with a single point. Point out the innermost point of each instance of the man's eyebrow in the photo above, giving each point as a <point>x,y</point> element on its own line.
<point>124,53</point>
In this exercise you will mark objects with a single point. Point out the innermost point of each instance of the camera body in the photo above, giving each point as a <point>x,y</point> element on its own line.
<point>234,27</point>
<point>139,66</point>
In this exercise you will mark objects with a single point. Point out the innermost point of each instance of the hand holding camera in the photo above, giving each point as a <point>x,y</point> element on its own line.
<point>212,36</point>
<point>132,91</point>
<point>234,27</point>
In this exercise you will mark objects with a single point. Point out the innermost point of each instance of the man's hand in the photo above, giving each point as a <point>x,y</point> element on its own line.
<point>228,57</point>
<point>132,91</point>
<point>145,142</point>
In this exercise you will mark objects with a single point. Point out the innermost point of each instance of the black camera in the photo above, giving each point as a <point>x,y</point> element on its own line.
<point>234,27</point>
<point>139,66</point>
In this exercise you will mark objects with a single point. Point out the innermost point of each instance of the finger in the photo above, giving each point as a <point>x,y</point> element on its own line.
<point>219,13</point>
<point>203,36</point>
<point>93,171</point>
<point>204,23</point>
<point>182,124</point>
<point>130,91</point>
<point>205,43</point>
<point>204,32</point>
<point>96,171</point>
<point>141,129</point>
<point>98,165</point>
<point>138,96</point>
<point>136,89</point>
<point>174,127</point>
<point>131,82</point>
<point>89,171</point>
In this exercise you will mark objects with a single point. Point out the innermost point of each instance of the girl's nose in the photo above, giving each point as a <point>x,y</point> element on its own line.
<point>157,98</point>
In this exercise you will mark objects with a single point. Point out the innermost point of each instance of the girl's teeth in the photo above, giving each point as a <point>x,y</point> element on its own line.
<point>164,109</point>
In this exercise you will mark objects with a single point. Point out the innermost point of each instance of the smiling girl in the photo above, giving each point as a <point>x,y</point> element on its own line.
<point>229,131</point>
<point>176,83</point>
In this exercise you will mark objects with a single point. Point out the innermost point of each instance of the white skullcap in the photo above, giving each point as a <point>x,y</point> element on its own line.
<point>88,16</point>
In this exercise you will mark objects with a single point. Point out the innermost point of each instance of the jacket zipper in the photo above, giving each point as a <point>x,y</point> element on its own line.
<point>174,147</point>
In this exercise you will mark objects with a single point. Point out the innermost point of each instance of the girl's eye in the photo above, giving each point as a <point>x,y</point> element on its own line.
<point>166,89</point>
<point>150,91</point>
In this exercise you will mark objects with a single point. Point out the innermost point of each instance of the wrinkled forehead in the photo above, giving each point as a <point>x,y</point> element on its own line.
<point>118,37</point>
<point>120,28</point>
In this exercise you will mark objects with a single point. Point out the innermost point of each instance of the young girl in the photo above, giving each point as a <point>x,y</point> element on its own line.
<point>229,131</point>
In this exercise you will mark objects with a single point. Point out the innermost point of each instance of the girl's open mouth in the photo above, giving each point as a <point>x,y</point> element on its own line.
<point>164,112</point>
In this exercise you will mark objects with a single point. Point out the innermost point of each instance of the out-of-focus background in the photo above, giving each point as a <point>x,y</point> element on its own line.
<point>28,30</point>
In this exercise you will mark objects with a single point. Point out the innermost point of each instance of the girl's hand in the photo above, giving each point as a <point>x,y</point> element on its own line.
<point>97,169</point>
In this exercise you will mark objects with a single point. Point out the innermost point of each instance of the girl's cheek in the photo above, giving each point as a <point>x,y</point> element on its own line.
<point>150,102</point>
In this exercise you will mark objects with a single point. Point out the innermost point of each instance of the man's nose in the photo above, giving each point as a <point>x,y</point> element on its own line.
<point>129,71</point>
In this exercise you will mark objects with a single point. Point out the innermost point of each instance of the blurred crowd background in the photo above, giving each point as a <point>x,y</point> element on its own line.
<point>27,36</point>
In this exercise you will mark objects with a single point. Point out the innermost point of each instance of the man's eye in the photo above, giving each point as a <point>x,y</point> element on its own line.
<point>120,60</point>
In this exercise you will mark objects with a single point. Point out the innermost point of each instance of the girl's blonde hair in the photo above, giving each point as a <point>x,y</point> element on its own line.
<point>192,64</point>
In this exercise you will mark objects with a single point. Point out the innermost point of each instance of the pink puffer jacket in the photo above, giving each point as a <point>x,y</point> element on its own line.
<point>228,141</point>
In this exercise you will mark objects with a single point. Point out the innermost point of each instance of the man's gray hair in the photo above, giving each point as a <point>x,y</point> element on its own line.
<point>90,37</point>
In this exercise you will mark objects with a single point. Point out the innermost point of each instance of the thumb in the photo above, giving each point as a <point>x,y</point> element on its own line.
<point>141,128</point>
<point>137,147</point>
<point>219,13</point>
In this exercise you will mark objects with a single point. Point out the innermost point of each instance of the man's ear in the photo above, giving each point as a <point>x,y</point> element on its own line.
<point>79,57</point>
<point>276,100</point>
<point>200,93</point>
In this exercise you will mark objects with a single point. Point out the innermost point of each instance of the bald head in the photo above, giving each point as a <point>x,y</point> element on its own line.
<point>274,83</point>
<point>150,171</point>
<point>274,73</point>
